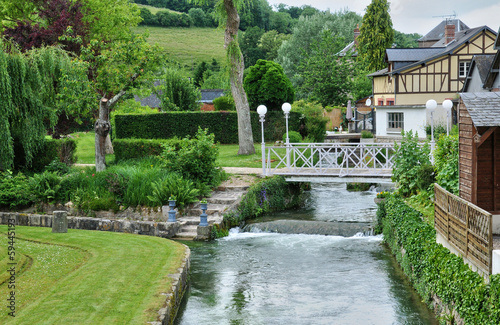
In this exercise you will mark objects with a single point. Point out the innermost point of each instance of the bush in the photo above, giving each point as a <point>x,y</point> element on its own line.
<point>411,163</point>
<point>177,93</point>
<point>45,186</point>
<point>64,150</point>
<point>293,136</point>
<point>224,103</point>
<point>194,159</point>
<point>182,189</point>
<point>14,190</point>
<point>139,148</point>
<point>313,124</point>
<point>366,134</point>
<point>446,163</point>
<point>224,125</point>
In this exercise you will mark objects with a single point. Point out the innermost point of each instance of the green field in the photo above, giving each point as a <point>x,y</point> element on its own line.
<point>154,10</point>
<point>188,46</point>
<point>87,277</point>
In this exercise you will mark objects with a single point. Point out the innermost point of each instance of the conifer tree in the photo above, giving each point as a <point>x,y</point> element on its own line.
<point>376,34</point>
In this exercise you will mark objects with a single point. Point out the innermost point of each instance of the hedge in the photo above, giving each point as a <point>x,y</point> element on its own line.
<point>433,270</point>
<point>137,148</point>
<point>224,125</point>
<point>64,150</point>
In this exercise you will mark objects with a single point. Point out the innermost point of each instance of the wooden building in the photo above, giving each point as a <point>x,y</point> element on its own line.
<point>479,147</point>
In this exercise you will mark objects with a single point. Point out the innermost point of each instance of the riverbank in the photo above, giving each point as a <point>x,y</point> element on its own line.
<point>456,293</point>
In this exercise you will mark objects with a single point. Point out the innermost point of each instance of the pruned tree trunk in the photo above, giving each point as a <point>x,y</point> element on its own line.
<point>101,127</point>
<point>237,65</point>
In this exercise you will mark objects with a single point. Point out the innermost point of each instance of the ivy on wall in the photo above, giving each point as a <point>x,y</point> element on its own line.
<point>433,270</point>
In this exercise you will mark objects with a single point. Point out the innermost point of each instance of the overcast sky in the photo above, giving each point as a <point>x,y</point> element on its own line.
<point>411,16</point>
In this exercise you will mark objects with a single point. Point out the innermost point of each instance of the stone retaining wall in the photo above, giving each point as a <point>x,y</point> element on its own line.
<point>149,228</point>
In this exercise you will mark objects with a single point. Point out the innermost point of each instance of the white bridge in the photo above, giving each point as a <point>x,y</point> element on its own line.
<point>337,162</point>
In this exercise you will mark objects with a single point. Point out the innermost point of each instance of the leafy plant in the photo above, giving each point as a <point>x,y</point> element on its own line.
<point>173,187</point>
<point>45,186</point>
<point>446,163</point>
<point>366,134</point>
<point>14,190</point>
<point>294,137</point>
<point>411,163</point>
<point>313,123</point>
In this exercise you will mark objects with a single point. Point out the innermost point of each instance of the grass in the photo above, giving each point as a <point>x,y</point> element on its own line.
<point>87,277</point>
<point>85,148</point>
<point>188,46</point>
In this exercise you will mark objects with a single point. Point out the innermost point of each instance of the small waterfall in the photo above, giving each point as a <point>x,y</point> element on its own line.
<point>344,229</point>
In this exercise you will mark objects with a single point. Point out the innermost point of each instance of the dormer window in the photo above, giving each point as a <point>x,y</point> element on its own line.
<point>463,69</point>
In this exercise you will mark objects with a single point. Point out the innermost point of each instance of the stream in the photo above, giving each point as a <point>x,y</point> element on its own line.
<point>259,277</point>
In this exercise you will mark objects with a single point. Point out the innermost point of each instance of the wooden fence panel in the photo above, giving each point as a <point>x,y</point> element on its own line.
<point>467,227</point>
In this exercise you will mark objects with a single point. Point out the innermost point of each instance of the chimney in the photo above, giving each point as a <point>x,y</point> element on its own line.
<point>449,33</point>
<point>356,34</point>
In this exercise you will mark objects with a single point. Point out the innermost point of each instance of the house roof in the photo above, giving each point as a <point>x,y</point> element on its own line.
<point>349,47</point>
<point>483,64</point>
<point>208,95</point>
<point>437,32</point>
<point>460,39</point>
<point>495,65</point>
<point>483,107</point>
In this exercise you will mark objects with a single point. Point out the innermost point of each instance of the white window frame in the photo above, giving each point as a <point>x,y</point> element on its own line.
<point>463,68</point>
<point>395,121</point>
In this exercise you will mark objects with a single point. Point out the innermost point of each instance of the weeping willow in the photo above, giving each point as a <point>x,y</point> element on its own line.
<point>28,106</point>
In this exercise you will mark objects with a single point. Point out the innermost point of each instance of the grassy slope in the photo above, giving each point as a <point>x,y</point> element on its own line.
<point>88,276</point>
<point>188,45</point>
<point>85,148</point>
<point>154,10</point>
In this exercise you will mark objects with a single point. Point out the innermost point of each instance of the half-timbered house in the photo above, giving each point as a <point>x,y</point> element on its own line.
<point>414,76</point>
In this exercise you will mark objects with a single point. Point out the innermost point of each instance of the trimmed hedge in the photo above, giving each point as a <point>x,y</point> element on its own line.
<point>433,270</point>
<point>64,150</point>
<point>224,125</point>
<point>138,148</point>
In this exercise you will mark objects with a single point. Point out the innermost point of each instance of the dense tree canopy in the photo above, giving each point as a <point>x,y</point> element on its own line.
<point>376,34</point>
<point>267,84</point>
<point>177,93</point>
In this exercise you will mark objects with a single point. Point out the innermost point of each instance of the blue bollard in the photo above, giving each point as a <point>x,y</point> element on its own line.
<point>203,216</point>
<point>171,212</point>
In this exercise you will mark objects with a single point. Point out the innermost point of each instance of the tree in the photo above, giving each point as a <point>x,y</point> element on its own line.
<point>376,34</point>
<point>267,84</point>
<point>227,12</point>
<point>53,19</point>
<point>249,44</point>
<point>327,76</point>
<point>28,86</point>
<point>177,93</point>
<point>270,42</point>
<point>107,71</point>
<point>406,41</point>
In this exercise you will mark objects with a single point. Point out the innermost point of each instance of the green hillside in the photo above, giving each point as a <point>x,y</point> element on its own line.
<point>188,45</point>
<point>154,10</point>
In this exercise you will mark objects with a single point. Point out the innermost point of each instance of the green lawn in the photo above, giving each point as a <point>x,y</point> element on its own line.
<point>85,148</point>
<point>87,277</point>
<point>188,45</point>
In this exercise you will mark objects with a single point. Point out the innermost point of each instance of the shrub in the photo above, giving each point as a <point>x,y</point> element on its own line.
<point>174,185</point>
<point>366,134</point>
<point>411,162</point>
<point>177,93</point>
<point>313,124</point>
<point>45,186</point>
<point>139,148</point>
<point>294,137</point>
<point>64,150</point>
<point>446,163</point>
<point>14,190</point>
<point>224,103</point>
<point>194,159</point>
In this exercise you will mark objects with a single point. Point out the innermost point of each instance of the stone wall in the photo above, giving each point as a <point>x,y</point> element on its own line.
<point>149,228</point>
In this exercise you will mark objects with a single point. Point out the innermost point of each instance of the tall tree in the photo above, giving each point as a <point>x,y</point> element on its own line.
<point>376,34</point>
<point>227,11</point>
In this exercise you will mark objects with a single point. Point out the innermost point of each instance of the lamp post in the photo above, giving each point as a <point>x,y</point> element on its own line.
<point>431,105</point>
<point>447,105</point>
<point>262,110</point>
<point>286,107</point>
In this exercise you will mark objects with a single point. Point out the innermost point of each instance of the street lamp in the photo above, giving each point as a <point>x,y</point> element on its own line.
<point>262,110</point>
<point>431,105</point>
<point>286,107</point>
<point>447,105</point>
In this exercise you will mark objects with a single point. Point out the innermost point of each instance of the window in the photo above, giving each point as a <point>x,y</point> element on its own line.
<point>395,122</point>
<point>390,102</point>
<point>463,69</point>
<point>380,102</point>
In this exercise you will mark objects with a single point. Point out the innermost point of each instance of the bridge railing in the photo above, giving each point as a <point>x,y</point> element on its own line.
<point>465,226</point>
<point>339,159</point>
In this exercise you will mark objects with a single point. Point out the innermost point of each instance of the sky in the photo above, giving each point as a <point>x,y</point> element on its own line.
<point>417,16</point>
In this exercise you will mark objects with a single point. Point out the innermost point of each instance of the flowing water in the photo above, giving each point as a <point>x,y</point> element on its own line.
<point>269,278</point>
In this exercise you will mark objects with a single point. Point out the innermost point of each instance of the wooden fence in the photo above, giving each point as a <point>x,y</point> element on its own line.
<point>467,227</point>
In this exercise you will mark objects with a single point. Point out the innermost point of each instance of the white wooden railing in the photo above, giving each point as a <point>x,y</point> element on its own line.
<point>330,159</point>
